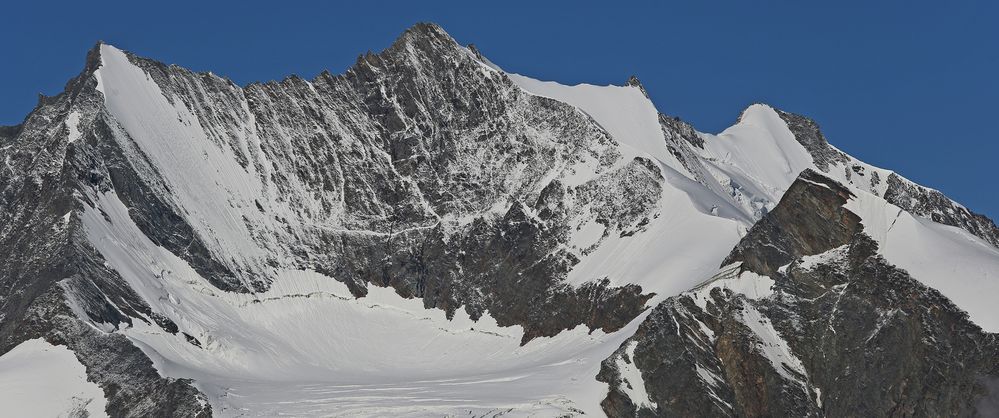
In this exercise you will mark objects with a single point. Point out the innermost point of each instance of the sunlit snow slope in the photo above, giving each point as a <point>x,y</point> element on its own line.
<point>963,267</point>
<point>38,379</point>
<point>686,243</point>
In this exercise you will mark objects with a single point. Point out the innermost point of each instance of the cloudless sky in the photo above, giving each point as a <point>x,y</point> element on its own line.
<point>911,86</point>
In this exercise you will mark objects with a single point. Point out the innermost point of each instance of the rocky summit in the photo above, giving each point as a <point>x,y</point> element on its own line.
<point>427,234</point>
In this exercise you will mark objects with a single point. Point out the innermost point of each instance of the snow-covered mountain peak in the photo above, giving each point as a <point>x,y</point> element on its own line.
<point>624,111</point>
<point>285,244</point>
<point>109,56</point>
<point>634,82</point>
<point>755,111</point>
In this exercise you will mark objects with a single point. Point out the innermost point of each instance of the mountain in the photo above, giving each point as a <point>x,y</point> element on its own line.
<point>811,317</point>
<point>427,234</point>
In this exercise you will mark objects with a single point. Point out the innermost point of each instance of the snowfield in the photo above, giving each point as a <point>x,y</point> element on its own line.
<point>38,379</point>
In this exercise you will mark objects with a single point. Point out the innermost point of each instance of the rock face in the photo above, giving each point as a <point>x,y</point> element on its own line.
<point>915,199</point>
<point>420,169</point>
<point>402,155</point>
<point>934,205</point>
<point>427,170</point>
<point>806,319</point>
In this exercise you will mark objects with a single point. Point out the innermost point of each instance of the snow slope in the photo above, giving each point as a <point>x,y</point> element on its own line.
<point>177,146</point>
<point>963,267</point>
<point>757,156</point>
<point>678,249</point>
<point>624,111</point>
<point>686,242</point>
<point>38,379</point>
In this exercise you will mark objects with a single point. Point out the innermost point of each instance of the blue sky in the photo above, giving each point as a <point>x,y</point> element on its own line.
<point>907,85</point>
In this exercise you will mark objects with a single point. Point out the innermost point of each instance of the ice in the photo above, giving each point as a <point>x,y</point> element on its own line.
<point>180,151</point>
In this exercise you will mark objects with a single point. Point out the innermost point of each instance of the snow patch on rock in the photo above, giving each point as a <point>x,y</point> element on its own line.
<point>733,278</point>
<point>634,384</point>
<point>772,346</point>
<point>72,122</point>
<point>810,262</point>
